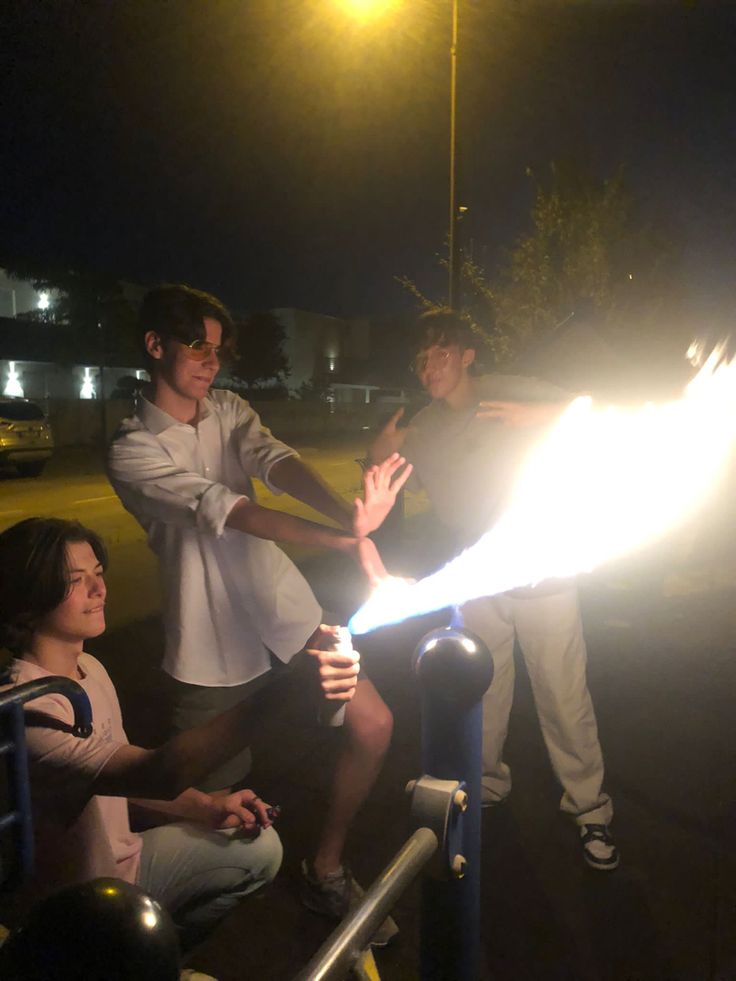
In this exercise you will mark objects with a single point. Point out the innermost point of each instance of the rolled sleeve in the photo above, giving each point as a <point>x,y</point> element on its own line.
<point>215,505</point>
<point>256,448</point>
<point>154,488</point>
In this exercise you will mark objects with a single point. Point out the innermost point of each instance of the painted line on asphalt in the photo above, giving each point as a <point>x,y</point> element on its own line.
<point>94,500</point>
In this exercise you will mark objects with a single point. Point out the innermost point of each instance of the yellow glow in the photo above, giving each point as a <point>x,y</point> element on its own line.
<point>606,481</point>
<point>366,10</point>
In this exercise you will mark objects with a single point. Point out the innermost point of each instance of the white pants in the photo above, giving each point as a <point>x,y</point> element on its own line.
<point>199,875</point>
<point>550,634</point>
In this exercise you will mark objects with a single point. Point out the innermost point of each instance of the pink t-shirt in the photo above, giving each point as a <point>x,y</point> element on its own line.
<point>78,835</point>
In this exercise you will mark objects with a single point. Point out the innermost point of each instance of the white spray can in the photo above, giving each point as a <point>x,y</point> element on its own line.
<point>332,713</point>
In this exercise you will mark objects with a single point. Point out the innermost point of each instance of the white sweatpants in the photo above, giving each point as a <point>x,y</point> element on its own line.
<point>199,875</point>
<point>550,634</point>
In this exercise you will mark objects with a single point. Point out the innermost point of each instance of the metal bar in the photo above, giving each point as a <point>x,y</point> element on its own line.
<point>344,945</point>
<point>13,747</point>
<point>19,792</point>
<point>54,684</point>
<point>8,819</point>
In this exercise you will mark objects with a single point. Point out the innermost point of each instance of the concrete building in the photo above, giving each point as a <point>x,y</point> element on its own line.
<point>321,348</point>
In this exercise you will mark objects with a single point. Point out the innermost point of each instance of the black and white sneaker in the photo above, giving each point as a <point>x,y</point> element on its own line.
<point>599,848</point>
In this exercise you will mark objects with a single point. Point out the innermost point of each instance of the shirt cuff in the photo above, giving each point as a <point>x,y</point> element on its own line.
<point>266,474</point>
<point>214,507</point>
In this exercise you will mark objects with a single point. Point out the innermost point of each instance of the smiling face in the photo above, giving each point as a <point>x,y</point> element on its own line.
<point>180,380</point>
<point>81,614</point>
<point>443,370</point>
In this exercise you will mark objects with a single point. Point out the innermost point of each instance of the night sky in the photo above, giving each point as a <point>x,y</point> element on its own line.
<point>277,154</point>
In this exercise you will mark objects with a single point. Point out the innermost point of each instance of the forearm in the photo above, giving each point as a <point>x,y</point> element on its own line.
<point>191,805</point>
<point>277,526</point>
<point>299,480</point>
<point>167,772</point>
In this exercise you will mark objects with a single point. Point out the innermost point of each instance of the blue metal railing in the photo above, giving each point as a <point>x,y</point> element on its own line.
<point>18,817</point>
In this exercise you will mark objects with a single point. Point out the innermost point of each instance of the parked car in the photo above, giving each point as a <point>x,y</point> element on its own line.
<point>26,440</point>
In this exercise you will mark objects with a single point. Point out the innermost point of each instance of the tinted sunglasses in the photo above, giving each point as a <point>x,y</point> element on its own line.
<point>200,350</point>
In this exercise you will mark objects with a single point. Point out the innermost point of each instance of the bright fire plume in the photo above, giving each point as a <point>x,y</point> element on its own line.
<point>605,481</point>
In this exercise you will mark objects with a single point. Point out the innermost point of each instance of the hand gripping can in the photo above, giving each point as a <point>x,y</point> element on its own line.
<point>332,713</point>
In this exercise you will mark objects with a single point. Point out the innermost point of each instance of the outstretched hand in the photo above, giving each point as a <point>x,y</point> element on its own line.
<point>381,484</point>
<point>519,414</point>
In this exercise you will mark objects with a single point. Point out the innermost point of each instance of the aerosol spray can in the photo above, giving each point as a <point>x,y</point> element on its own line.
<point>332,713</point>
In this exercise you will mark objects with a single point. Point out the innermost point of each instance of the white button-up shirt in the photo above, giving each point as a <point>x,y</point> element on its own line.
<point>229,597</point>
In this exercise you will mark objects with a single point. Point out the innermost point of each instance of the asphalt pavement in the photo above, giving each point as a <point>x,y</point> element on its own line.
<point>662,672</point>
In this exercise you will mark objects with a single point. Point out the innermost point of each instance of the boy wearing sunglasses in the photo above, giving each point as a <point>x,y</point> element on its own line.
<point>235,607</point>
<point>467,447</point>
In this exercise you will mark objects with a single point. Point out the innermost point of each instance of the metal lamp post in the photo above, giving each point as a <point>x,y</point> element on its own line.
<point>453,237</point>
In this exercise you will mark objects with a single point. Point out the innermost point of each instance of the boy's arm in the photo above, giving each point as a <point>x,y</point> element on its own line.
<point>166,772</point>
<point>380,487</point>
<point>169,772</point>
<point>520,414</point>
<point>277,526</point>
<point>298,479</point>
<point>390,439</point>
<point>242,809</point>
<point>153,487</point>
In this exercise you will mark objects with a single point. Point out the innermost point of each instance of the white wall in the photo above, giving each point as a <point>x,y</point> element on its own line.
<point>42,381</point>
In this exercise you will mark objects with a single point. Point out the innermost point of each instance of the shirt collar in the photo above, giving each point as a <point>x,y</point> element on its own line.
<point>157,421</point>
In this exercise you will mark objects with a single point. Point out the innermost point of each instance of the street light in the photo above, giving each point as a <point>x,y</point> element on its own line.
<point>364,10</point>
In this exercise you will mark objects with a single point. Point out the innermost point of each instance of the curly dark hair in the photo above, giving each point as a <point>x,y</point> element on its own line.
<point>34,575</point>
<point>177,311</point>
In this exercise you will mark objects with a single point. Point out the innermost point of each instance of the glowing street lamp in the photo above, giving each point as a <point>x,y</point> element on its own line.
<point>366,10</point>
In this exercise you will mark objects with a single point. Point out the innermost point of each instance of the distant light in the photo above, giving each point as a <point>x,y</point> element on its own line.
<point>631,275</point>
<point>365,10</point>
<point>331,364</point>
<point>87,391</point>
<point>13,386</point>
<point>44,301</point>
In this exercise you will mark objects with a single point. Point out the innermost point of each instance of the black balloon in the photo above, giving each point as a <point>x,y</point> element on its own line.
<point>104,930</point>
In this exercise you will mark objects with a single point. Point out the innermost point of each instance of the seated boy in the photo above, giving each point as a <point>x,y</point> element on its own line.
<point>216,850</point>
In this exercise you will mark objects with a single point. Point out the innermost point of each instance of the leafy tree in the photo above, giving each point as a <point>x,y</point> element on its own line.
<point>90,305</point>
<point>587,255</point>
<point>260,356</point>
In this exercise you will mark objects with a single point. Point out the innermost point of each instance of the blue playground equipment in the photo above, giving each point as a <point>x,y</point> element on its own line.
<point>13,720</point>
